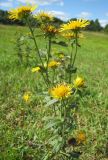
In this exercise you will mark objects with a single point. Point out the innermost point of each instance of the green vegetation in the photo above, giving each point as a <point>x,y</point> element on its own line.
<point>106,28</point>
<point>95,26</point>
<point>21,127</point>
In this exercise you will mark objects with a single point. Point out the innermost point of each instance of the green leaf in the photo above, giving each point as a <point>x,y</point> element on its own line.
<point>51,102</point>
<point>56,141</point>
<point>50,125</point>
<point>46,157</point>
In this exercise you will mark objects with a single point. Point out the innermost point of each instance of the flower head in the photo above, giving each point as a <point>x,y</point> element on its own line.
<point>49,30</point>
<point>26,96</point>
<point>21,12</point>
<point>36,69</point>
<point>79,82</point>
<point>53,64</point>
<point>61,55</point>
<point>61,91</point>
<point>81,137</point>
<point>44,16</point>
<point>29,34</point>
<point>75,25</point>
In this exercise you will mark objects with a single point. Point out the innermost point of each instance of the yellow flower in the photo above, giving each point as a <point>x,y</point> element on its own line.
<point>26,96</point>
<point>53,64</point>
<point>61,55</point>
<point>75,25</point>
<point>29,34</point>
<point>50,30</point>
<point>21,12</point>
<point>44,16</point>
<point>79,82</point>
<point>81,137</point>
<point>61,91</point>
<point>36,69</point>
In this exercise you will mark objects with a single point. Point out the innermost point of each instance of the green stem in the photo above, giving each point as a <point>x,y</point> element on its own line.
<point>76,44</point>
<point>64,116</point>
<point>54,110</point>
<point>48,54</point>
<point>53,76</point>
<point>49,48</point>
<point>71,54</point>
<point>37,50</point>
<point>71,61</point>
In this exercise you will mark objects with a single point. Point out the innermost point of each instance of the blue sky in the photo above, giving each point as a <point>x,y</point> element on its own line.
<point>65,9</point>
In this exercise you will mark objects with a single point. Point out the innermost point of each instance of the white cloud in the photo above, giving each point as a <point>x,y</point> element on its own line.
<point>62,15</point>
<point>6,4</point>
<point>103,22</point>
<point>43,2</point>
<point>84,14</point>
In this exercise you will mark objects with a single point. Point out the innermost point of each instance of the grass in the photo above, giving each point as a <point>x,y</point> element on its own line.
<point>21,126</point>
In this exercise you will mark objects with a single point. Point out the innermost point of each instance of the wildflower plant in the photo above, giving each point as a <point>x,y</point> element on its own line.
<point>62,88</point>
<point>22,12</point>
<point>73,28</point>
<point>26,97</point>
<point>44,17</point>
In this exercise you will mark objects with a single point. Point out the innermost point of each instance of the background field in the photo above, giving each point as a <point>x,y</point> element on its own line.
<point>21,125</point>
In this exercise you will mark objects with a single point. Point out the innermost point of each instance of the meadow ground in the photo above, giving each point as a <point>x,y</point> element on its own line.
<point>20,125</point>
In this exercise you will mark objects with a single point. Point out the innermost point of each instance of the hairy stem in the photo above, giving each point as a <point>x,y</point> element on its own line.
<point>76,47</point>
<point>71,61</point>
<point>37,50</point>
<point>48,54</point>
